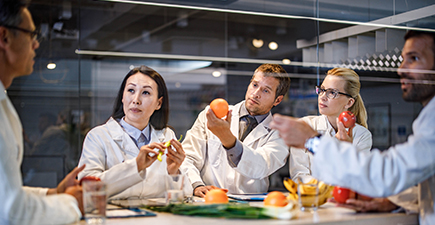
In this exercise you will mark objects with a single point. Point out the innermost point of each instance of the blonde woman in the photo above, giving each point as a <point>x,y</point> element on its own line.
<point>338,92</point>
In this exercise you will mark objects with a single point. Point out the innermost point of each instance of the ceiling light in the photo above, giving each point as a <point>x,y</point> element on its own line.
<point>216,73</point>
<point>258,43</point>
<point>51,65</point>
<point>273,46</point>
<point>286,61</point>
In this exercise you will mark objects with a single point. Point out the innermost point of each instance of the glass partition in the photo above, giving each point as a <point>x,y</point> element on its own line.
<point>204,50</point>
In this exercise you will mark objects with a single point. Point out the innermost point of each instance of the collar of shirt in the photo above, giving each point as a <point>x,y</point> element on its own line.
<point>243,112</point>
<point>133,131</point>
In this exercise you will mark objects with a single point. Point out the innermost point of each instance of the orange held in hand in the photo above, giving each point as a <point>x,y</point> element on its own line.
<point>216,196</point>
<point>219,107</point>
<point>275,198</point>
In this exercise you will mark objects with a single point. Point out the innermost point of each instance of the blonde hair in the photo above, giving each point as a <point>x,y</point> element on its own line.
<point>352,87</point>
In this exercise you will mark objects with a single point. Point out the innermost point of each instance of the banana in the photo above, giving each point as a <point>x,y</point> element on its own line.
<point>290,185</point>
<point>308,193</point>
<point>292,196</point>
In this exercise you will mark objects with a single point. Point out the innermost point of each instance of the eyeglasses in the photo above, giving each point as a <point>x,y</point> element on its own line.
<point>330,93</point>
<point>33,34</point>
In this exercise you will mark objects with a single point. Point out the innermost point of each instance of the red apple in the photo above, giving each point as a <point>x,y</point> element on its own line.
<point>341,194</point>
<point>347,118</point>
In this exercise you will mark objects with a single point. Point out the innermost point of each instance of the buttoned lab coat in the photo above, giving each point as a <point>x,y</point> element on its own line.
<point>301,161</point>
<point>110,154</point>
<point>381,174</point>
<point>25,205</point>
<point>206,161</point>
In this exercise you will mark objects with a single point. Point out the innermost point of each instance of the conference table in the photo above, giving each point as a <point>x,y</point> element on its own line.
<point>326,214</point>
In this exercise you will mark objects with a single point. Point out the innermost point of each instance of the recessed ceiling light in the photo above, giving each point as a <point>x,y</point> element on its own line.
<point>273,46</point>
<point>258,43</point>
<point>51,66</point>
<point>286,61</point>
<point>216,73</point>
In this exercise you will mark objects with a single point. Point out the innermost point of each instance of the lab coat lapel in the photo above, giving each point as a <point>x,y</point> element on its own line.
<point>259,131</point>
<point>121,138</point>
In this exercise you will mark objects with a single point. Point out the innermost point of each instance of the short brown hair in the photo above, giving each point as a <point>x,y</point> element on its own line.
<point>275,70</point>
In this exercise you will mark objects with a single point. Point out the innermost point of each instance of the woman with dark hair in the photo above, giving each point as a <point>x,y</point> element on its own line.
<point>122,152</point>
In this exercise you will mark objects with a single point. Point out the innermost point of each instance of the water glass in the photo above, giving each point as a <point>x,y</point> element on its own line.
<point>174,188</point>
<point>308,195</point>
<point>94,201</point>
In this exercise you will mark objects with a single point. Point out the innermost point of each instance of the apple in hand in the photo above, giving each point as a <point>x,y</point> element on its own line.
<point>341,194</point>
<point>347,118</point>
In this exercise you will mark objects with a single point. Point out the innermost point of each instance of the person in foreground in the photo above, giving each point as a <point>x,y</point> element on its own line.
<point>381,174</point>
<point>123,151</point>
<point>25,205</point>
<point>240,152</point>
<point>338,92</point>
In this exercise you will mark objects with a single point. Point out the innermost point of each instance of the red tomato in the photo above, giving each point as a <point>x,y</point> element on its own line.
<point>89,178</point>
<point>347,118</point>
<point>341,194</point>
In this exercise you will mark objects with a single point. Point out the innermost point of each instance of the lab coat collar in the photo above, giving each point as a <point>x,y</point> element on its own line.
<point>123,139</point>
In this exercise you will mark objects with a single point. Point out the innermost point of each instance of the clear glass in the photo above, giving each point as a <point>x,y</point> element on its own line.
<point>174,189</point>
<point>308,196</point>
<point>94,201</point>
<point>204,49</point>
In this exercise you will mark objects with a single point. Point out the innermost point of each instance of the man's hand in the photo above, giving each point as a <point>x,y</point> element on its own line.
<point>69,181</point>
<point>342,134</point>
<point>147,155</point>
<point>373,205</point>
<point>221,128</point>
<point>293,131</point>
<point>174,159</point>
<point>76,192</point>
<point>202,190</point>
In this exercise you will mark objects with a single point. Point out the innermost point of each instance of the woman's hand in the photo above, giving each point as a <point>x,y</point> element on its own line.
<point>343,134</point>
<point>174,159</point>
<point>147,155</point>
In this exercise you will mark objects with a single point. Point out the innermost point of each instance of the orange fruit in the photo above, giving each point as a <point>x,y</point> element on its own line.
<point>219,107</point>
<point>275,198</point>
<point>216,196</point>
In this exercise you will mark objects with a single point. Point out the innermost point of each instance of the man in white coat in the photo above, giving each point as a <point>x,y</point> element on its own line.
<point>381,174</point>
<point>224,153</point>
<point>18,204</point>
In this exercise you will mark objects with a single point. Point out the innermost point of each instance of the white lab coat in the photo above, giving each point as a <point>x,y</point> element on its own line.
<point>381,174</point>
<point>25,205</point>
<point>110,154</point>
<point>301,161</point>
<point>206,161</point>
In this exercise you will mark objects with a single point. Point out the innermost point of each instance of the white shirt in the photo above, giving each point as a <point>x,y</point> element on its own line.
<point>207,161</point>
<point>25,205</point>
<point>381,174</point>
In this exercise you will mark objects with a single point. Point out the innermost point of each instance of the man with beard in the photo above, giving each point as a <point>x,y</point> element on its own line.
<point>380,174</point>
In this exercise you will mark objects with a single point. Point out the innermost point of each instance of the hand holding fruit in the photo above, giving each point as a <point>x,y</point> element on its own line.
<point>175,156</point>
<point>69,181</point>
<point>147,155</point>
<point>221,127</point>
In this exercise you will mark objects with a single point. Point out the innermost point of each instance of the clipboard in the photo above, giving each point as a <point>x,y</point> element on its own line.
<point>248,197</point>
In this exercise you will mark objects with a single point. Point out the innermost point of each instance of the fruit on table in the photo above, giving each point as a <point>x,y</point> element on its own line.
<point>89,178</point>
<point>167,145</point>
<point>216,196</point>
<point>275,198</point>
<point>347,118</point>
<point>219,107</point>
<point>341,194</point>
<point>308,193</point>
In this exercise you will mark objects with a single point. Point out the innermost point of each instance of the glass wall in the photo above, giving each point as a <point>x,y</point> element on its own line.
<point>205,49</point>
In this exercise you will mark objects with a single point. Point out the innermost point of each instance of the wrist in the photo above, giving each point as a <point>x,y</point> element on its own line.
<point>311,144</point>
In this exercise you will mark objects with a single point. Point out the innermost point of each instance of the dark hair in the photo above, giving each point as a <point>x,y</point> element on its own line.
<point>275,70</point>
<point>10,11</point>
<point>415,33</point>
<point>160,117</point>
